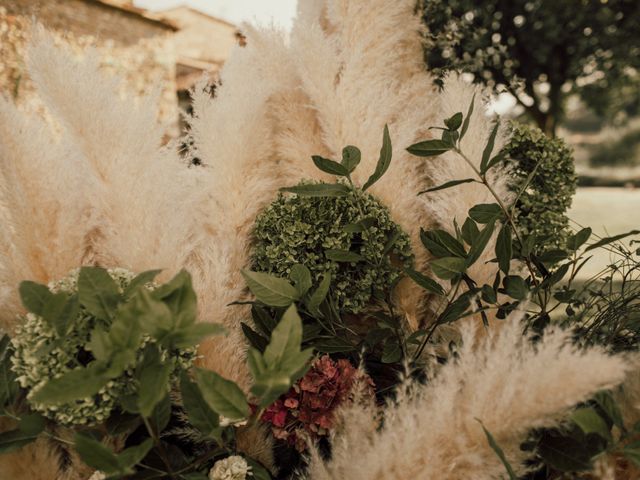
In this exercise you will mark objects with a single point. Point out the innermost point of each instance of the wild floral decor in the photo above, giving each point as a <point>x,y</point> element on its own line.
<point>438,340</point>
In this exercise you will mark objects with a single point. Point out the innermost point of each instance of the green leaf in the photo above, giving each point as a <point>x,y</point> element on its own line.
<point>333,345</point>
<point>590,422</point>
<point>450,184</point>
<point>223,396</point>
<point>360,225</point>
<point>516,287</point>
<point>125,332</point>
<point>480,243</point>
<point>486,212</point>
<point>429,148</point>
<point>73,385</point>
<point>504,248</point>
<point>569,451</point>
<point>442,244</point>
<point>551,257</point>
<point>319,190</point>
<point>350,157</point>
<point>161,415</point>
<point>285,339</point>
<point>271,290</point>
<point>8,384</point>
<point>329,166</point>
<point>98,292</point>
<point>574,242</point>
<point>425,282</point>
<point>454,122</point>
<point>496,448</point>
<point>258,472</point>
<point>301,277</point>
<point>606,241</point>
<point>448,267</point>
<point>200,415</point>
<point>343,256</point>
<point>96,455</point>
<point>100,344</point>
<point>60,311</point>
<point>449,137</point>
<point>456,310</point>
<point>140,280</point>
<point>32,424</point>
<point>489,294</point>
<point>193,334</point>
<point>256,340</point>
<point>34,296</point>
<point>179,296</point>
<point>269,386</point>
<point>263,319</point>
<point>153,315</point>
<point>153,375</point>
<point>318,296</point>
<point>132,456</point>
<point>488,149</point>
<point>467,118</point>
<point>606,401</point>
<point>496,159</point>
<point>391,353</point>
<point>383,162</point>
<point>14,440</point>
<point>469,231</point>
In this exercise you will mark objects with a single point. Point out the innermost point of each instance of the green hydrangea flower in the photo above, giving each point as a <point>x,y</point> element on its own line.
<point>41,354</point>
<point>299,230</point>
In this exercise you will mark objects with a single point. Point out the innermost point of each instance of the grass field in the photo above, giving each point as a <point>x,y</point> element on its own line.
<point>608,211</point>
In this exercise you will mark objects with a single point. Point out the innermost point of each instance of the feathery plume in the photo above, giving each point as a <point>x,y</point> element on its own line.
<point>139,194</point>
<point>503,380</point>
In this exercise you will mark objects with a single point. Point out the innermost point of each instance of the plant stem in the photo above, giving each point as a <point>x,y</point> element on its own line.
<point>484,181</point>
<point>436,323</point>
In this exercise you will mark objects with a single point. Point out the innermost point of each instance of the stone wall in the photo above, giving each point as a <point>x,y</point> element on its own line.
<point>137,48</point>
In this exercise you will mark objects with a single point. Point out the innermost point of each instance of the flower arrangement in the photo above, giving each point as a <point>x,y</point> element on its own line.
<point>438,340</point>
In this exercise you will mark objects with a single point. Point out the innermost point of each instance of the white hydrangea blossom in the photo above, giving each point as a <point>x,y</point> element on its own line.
<point>226,422</point>
<point>234,467</point>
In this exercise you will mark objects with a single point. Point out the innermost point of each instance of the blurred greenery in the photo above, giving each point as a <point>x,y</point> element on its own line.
<point>616,152</point>
<point>542,51</point>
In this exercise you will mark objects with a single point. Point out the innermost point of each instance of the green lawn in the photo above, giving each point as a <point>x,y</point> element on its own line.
<point>608,211</point>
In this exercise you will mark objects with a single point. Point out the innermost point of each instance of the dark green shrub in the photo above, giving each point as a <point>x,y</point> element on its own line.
<point>541,208</point>
<point>301,230</point>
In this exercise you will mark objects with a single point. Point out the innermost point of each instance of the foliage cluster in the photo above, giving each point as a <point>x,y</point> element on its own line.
<point>326,235</point>
<point>573,46</point>
<point>124,332</point>
<point>541,281</point>
<point>546,166</point>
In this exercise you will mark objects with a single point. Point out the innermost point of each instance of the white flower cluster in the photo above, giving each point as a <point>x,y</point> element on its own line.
<point>234,467</point>
<point>40,355</point>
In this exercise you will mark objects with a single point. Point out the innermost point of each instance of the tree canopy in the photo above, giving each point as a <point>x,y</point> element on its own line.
<point>541,50</point>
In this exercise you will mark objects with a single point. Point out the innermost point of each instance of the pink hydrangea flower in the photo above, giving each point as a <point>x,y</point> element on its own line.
<point>308,409</point>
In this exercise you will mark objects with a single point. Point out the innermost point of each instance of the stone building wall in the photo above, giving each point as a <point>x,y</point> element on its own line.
<point>138,48</point>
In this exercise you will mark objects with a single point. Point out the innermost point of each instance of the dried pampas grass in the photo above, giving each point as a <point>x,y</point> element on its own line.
<point>503,380</point>
<point>92,185</point>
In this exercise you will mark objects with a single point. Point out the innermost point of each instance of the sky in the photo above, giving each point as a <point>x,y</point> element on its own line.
<point>281,12</point>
